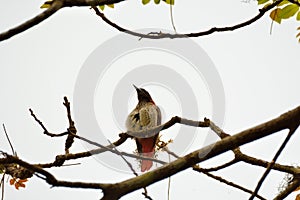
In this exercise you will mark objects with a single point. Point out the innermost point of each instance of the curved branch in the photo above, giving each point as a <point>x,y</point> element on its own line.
<point>54,7</point>
<point>58,4</point>
<point>160,35</point>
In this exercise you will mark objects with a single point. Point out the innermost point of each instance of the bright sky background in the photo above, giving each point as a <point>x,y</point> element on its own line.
<point>260,74</point>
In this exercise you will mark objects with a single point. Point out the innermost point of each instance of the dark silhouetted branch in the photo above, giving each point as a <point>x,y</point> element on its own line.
<point>32,22</point>
<point>271,164</point>
<point>222,180</point>
<point>160,35</point>
<point>285,121</point>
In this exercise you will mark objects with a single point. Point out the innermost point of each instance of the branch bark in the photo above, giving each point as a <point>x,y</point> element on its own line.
<point>32,22</point>
<point>289,120</point>
<point>160,35</point>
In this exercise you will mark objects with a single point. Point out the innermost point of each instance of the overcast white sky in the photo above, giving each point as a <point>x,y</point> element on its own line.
<point>259,72</point>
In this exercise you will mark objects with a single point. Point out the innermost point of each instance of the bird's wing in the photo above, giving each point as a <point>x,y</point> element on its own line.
<point>158,122</point>
<point>145,117</point>
<point>150,116</point>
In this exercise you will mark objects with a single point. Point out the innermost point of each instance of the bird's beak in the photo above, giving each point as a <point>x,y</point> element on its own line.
<point>137,89</point>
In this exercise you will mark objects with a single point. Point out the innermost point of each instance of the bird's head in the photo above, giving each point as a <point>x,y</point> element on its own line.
<point>143,95</point>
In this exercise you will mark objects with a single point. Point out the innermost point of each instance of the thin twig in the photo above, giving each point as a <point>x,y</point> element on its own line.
<point>222,180</point>
<point>171,15</point>
<point>271,164</point>
<point>145,193</point>
<point>62,158</point>
<point>174,120</point>
<point>2,184</point>
<point>38,121</point>
<point>11,146</point>
<point>72,129</point>
<point>169,181</point>
<point>225,165</point>
<point>109,148</point>
<point>126,161</point>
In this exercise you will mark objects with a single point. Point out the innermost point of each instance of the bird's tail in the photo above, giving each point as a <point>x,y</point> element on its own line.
<point>148,148</point>
<point>147,164</point>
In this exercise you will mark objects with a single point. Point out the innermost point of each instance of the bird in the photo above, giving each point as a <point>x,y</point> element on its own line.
<point>145,115</point>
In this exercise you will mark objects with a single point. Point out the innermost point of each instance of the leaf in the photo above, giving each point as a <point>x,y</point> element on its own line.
<point>275,15</point>
<point>23,180</point>
<point>12,181</point>
<point>102,7</point>
<point>288,11</point>
<point>157,1</point>
<point>145,1</point>
<point>108,5</point>
<point>259,2</point>
<point>47,4</point>
<point>283,3</point>
<point>171,2</point>
<point>111,5</point>
<point>298,16</point>
<point>266,5</point>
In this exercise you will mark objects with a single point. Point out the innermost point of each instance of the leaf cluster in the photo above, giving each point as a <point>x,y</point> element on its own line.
<point>284,10</point>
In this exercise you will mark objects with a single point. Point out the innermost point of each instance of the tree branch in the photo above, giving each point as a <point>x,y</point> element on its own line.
<point>58,4</point>
<point>287,120</point>
<point>290,188</point>
<point>271,164</point>
<point>222,180</point>
<point>160,35</point>
<point>54,7</point>
<point>295,2</point>
<point>32,22</point>
<point>48,176</point>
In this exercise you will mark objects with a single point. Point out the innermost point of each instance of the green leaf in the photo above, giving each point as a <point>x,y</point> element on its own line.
<point>2,169</point>
<point>298,16</point>
<point>157,1</point>
<point>102,7</point>
<point>145,1</point>
<point>259,2</point>
<point>47,4</point>
<point>171,2</point>
<point>108,5</point>
<point>288,11</point>
<point>283,3</point>
<point>111,5</point>
<point>275,15</point>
